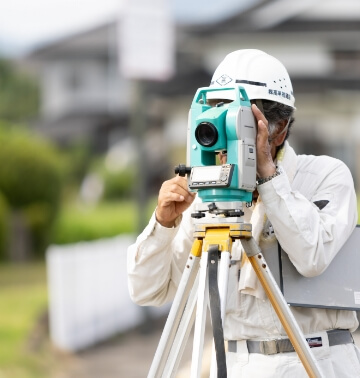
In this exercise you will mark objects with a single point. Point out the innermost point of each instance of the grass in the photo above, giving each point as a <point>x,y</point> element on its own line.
<point>78,222</point>
<point>23,298</point>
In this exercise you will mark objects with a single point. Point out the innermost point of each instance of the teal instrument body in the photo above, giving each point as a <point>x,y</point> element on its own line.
<point>225,127</point>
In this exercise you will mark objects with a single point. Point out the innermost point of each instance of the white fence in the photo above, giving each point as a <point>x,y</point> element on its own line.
<point>88,293</point>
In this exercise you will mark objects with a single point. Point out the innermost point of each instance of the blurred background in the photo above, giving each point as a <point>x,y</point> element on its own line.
<point>94,98</point>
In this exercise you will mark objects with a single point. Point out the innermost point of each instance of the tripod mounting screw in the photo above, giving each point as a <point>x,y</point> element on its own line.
<point>182,170</point>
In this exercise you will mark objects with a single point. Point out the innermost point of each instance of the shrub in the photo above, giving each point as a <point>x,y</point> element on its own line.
<point>31,180</point>
<point>107,219</point>
<point>119,185</point>
<point>83,223</point>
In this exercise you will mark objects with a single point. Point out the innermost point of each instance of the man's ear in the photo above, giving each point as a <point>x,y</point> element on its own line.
<point>279,140</point>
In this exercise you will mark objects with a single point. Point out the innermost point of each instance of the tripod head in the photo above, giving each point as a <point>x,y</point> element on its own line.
<point>223,212</point>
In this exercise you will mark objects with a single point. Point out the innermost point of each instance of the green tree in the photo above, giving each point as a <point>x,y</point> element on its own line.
<point>31,176</point>
<point>19,93</point>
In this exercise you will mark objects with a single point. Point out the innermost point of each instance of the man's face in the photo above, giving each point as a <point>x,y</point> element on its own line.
<point>222,156</point>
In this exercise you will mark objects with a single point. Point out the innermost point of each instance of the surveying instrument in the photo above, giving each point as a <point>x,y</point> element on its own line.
<point>224,189</point>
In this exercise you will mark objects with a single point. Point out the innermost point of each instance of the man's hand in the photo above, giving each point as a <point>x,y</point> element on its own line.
<point>174,198</point>
<point>264,150</point>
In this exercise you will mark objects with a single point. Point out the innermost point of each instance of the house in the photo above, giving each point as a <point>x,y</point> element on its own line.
<point>81,91</point>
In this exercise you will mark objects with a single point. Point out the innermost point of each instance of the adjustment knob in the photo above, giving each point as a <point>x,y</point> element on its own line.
<point>182,170</point>
<point>198,215</point>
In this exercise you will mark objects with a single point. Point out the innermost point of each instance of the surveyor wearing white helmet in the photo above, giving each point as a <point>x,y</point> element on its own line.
<point>307,204</point>
<point>264,78</point>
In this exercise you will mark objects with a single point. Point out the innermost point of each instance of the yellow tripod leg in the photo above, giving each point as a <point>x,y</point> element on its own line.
<point>281,308</point>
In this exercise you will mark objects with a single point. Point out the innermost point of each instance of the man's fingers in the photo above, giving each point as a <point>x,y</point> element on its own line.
<point>179,186</point>
<point>263,133</point>
<point>258,114</point>
<point>262,130</point>
<point>178,197</point>
<point>174,191</point>
<point>172,197</point>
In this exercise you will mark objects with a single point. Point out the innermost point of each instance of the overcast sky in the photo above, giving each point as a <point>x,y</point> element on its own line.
<point>27,23</point>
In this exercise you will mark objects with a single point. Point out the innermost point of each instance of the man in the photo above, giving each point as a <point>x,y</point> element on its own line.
<point>306,203</point>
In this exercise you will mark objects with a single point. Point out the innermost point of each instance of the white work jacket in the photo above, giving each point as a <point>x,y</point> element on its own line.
<point>309,235</point>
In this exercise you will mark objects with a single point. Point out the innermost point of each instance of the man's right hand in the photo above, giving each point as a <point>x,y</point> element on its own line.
<point>174,198</point>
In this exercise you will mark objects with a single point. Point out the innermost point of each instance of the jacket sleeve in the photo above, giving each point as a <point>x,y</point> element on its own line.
<point>311,229</point>
<point>156,260</point>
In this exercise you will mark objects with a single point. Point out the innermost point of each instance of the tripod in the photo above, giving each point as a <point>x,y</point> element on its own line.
<point>212,242</point>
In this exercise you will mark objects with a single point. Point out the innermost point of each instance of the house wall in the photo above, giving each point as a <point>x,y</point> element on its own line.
<point>82,85</point>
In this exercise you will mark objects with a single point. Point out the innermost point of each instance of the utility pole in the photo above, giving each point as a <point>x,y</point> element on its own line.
<point>146,53</point>
<point>138,130</point>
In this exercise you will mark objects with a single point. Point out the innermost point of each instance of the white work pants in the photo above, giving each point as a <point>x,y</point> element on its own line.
<point>339,361</point>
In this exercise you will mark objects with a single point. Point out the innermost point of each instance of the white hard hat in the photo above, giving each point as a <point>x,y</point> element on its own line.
<point>261,75</point>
